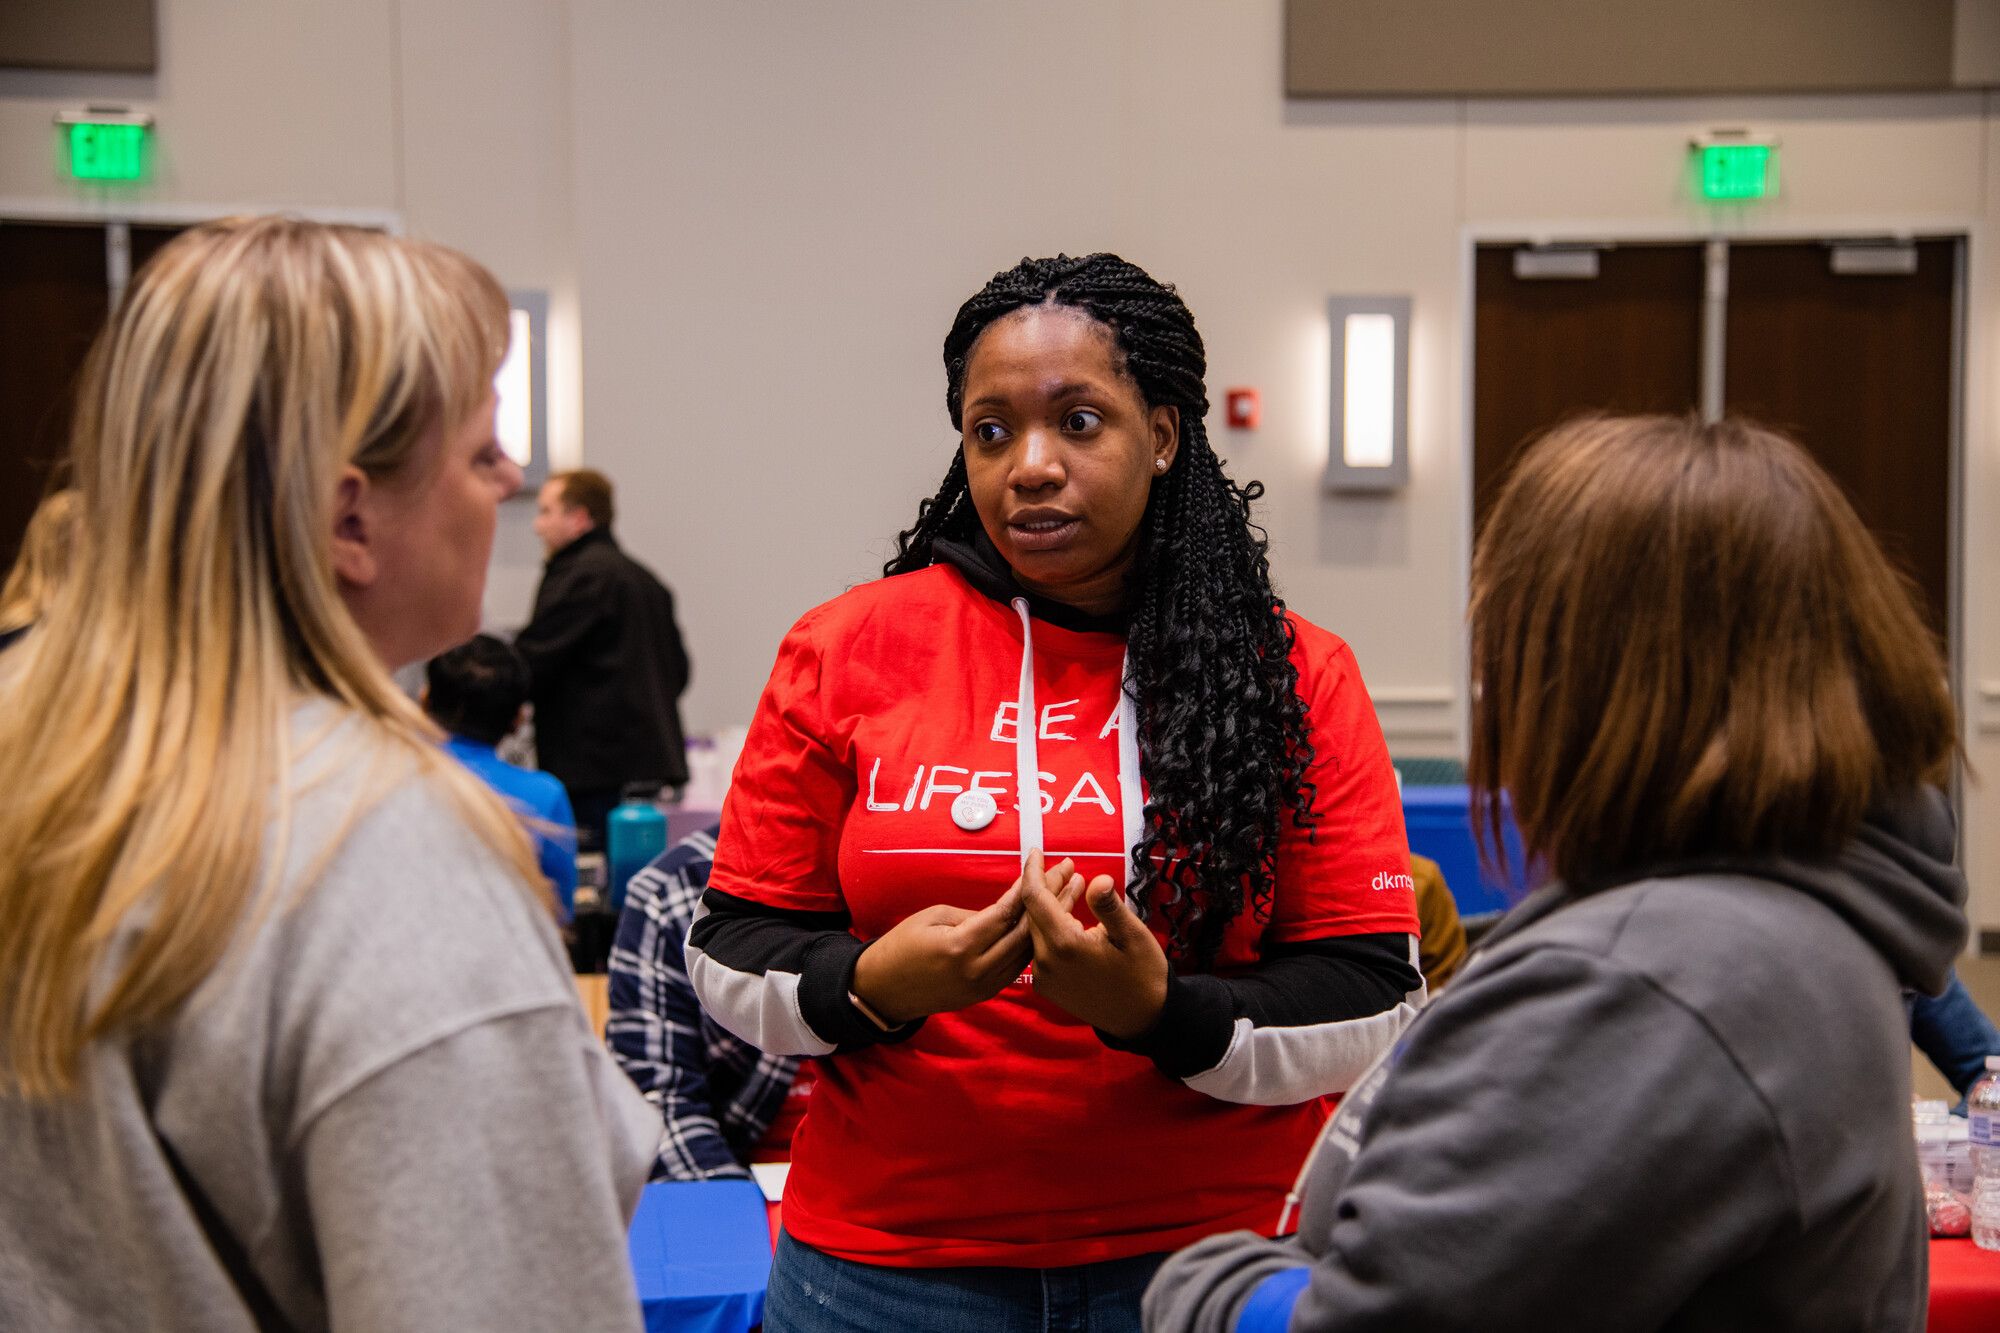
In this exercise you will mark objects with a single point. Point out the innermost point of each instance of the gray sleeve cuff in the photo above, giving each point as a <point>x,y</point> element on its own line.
<point>1202,1289</point>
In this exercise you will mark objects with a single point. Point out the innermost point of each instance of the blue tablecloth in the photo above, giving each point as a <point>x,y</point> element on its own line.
<point>1439,821</point>
<point>701,1254</point>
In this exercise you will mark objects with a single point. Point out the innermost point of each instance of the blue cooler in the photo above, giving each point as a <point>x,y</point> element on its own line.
<point>634,833</point>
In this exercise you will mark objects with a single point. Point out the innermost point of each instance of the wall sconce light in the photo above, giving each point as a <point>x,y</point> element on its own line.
<point>521,385</point>
<point>1368,435</point>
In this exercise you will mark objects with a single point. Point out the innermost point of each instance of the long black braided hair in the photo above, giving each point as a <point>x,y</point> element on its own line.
<point>1222,731</point>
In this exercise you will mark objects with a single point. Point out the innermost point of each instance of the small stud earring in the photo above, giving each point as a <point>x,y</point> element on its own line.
<point>1160,464</point>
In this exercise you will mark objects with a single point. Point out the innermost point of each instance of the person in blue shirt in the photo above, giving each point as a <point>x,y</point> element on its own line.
<point>1955,1033</point>
<point>475,692</point>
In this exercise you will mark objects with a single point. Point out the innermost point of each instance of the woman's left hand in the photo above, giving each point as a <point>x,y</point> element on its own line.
<point>1113,975</point>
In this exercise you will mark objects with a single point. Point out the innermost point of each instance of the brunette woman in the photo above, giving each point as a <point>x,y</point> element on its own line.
<point>1076,678</point>
<point>287,1037</point>
<point>1672,1090</point>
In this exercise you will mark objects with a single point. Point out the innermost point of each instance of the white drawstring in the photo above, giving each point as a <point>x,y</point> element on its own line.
<point>1295,1196</point>
<point>1131,804</point>
<point>1027,762</point>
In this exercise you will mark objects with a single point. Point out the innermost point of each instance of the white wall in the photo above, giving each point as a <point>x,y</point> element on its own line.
<point>756,218</point>
<point>485,166</point>
<point>765,310</point>
<point>766,297</point>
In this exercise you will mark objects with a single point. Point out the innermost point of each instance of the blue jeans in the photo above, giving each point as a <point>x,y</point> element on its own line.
<point>813,1292</point>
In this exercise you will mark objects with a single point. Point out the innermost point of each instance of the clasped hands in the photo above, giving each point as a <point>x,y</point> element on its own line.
<point>1112,975</point>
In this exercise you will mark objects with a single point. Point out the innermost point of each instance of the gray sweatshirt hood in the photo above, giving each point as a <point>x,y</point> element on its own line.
<point>1678,1102</point>
<point>1894,885</point>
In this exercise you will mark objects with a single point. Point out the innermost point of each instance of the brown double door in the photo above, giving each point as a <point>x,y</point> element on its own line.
<point>1856,366</point>
<point>54,295</point>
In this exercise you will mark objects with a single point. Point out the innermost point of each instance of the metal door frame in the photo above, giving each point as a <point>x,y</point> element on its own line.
<point>29,208</point>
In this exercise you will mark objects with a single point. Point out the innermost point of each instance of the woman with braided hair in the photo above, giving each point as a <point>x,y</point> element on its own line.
<point>1076,677</point>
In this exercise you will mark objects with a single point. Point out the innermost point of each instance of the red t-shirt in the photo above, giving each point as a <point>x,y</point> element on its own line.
<point>1007,1133</point>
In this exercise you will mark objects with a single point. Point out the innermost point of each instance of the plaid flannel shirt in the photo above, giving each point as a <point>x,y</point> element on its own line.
<point>716,1093</point>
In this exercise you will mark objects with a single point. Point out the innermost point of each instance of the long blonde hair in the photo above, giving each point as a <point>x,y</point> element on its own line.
<point>42,564</point>
<point>146,720</point>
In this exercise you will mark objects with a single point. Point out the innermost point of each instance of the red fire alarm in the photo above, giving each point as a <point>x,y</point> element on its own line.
<point>1245,409</point>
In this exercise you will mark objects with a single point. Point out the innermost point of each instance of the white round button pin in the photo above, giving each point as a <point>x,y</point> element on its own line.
<point>974,810</point>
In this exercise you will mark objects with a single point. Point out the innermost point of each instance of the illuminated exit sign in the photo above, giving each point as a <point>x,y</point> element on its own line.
<point>1733,167</point>
<point>106,146</point>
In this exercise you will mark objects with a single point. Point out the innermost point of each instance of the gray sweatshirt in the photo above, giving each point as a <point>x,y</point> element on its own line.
<point>1680,1103</point>
<point>388,1092</point>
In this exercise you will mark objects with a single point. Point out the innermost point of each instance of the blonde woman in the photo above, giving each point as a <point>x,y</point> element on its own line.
<point>287,1039</point>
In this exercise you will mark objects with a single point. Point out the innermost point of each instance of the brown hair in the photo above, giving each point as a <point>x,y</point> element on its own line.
<point>1684,643</point>
<point>589,490</point>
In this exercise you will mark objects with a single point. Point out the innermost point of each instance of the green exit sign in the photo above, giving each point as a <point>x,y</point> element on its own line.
<point>107,150</point>
<point>1738,170</point>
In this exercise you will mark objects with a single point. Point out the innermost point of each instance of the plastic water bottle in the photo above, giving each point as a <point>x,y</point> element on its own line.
<point>1932,1120</point>
<point>1958,1156</point>
<point>635,832</point>
<point>1947,1212</point>
<point>1982,1106</point>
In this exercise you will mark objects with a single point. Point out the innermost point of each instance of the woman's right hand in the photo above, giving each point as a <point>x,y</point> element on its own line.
<point>945,958</point>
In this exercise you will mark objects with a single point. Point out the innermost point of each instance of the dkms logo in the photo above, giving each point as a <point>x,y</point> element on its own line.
<point>1388,881</point>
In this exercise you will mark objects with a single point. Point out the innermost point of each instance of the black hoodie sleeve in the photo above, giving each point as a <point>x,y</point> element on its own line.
<point>781,979</point>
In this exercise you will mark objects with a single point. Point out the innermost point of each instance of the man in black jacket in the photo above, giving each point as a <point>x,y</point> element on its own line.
<point>604,654</point>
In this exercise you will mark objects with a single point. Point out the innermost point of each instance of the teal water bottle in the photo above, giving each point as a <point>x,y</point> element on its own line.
<point>634,833</point>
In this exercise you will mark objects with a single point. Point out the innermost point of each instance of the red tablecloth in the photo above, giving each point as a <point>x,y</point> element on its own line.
<point>1965,1288</point>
